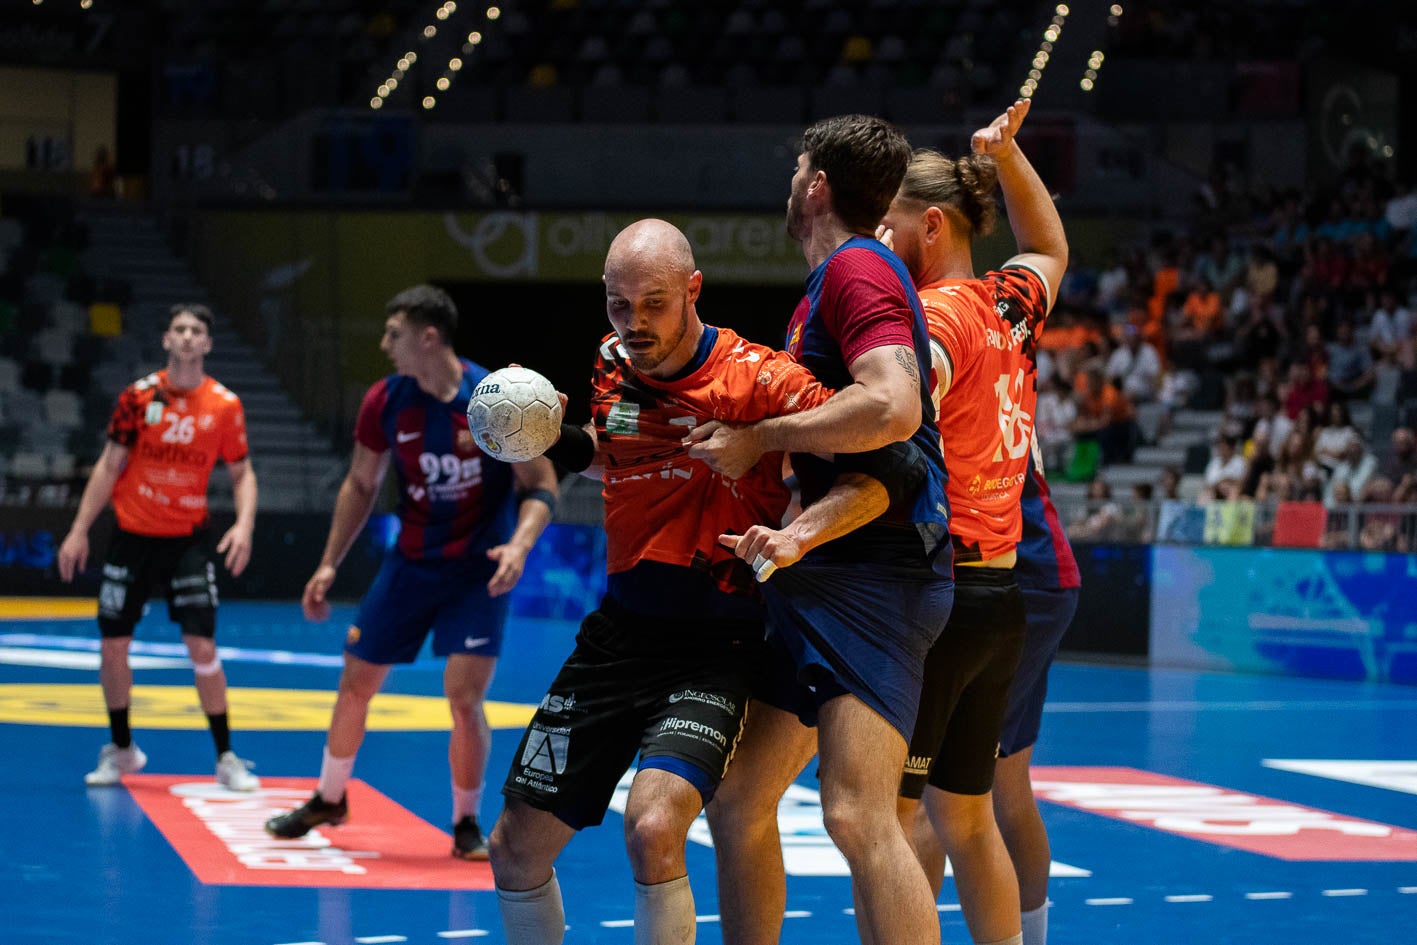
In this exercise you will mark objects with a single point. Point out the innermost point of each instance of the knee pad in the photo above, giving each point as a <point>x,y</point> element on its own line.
<point>207,669</point>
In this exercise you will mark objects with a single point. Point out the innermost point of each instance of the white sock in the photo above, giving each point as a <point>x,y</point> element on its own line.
<point>534,916</point>
<point>1035,926</point>
<point>334,776</point>
<point>664,913</point>
<point>466,801</point>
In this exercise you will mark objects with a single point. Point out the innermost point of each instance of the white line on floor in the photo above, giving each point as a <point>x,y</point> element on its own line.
<point>1269,895</point>
<point>1345,892</point>
<point>1119,901</point>
<point>1267,705</point>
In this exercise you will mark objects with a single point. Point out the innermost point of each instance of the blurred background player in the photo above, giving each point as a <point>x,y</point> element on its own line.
<point>166,435</point>
<point>467,523</point>
<point>854,617</point>
<point>983,334</point>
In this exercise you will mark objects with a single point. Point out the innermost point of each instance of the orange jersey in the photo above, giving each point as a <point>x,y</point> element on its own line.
<point>174,438</point>
<point>987,331</point>
<point>664,507</point>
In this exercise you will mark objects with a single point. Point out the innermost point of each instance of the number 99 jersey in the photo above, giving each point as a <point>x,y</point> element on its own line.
<point>453,499</point>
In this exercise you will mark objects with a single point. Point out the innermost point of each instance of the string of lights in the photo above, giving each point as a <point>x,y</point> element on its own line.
<point>1045,51</point>
<point>1094,61</point>
<point>399,74</point>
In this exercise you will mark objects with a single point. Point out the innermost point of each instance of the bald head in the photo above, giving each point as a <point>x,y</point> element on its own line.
<point>647,246</point>
<point>651,286</point>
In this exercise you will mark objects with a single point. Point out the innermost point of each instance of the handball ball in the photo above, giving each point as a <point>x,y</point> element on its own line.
<point>514,414</point>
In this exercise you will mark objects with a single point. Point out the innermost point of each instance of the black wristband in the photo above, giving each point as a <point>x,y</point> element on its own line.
<point>899,467</point>
<point>541,495</point>
<point>575,450</point>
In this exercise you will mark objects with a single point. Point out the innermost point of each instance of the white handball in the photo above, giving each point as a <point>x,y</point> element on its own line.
<point>514,414</point>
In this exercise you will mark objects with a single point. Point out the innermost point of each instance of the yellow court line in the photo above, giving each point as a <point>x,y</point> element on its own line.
<point>52,608</point>
<point>268,710</point>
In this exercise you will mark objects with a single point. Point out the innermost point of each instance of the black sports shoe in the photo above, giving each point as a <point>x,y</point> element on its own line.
<point>468,843</point>
<point>313,813</point>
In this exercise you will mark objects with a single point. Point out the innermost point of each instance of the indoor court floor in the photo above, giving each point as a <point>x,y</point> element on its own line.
<point>1184,807</point>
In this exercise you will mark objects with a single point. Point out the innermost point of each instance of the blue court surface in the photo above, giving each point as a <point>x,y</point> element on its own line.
<point>1184,807</point>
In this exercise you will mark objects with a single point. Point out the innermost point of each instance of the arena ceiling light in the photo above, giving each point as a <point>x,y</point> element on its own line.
<point>1045,51</point>
<point>442,14</point>
<point>1088,82</point>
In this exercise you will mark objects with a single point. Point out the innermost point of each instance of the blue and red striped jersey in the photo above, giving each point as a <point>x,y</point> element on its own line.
<point>861,298</point>
<point>1045,559</point>
<point>453,499</point>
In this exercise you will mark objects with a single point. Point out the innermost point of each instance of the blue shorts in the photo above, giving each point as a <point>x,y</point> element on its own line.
<point>408,598</point>
<point>856,628</point>
<point>1050,612</point>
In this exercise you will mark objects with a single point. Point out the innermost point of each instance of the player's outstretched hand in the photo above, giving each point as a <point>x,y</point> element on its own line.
<point>511,561</point>
<point>73,555</point>
<point>765,549</point>
<point>728,449</point>
<point>236,545</point>
<point>1000,132</point>
<point>313,601</point>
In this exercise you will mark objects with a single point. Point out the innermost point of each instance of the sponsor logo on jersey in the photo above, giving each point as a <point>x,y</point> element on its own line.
<point>546,749</point>
<point>707,698</point>
<point>919,764</point>
<point>681,726</point>
<point>557,704</point>
<point>173,454</point>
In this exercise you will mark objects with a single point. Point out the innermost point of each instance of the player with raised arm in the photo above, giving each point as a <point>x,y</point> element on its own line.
<point>467,523</point>
<point>663,667</point>
<point>165,437</point>
<point>983,335</point>
<point>854,617</point>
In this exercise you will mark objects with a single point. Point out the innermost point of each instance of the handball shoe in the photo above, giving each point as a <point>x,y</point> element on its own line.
<point>234,773</point>
<point>113,763</point>
<point>468,842</point>
<point>313,813</point>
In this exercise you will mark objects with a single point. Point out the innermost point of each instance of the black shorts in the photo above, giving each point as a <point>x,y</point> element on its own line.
<point>966,692</point>
<point>675,691</point>
<point>137,564</point>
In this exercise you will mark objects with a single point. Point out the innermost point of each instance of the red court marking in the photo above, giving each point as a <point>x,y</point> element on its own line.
<point>1222,816</point>
<point>220,835</point>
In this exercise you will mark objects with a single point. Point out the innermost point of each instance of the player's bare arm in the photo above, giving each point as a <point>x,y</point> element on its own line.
<point>538,489</point>
<point>855,499</point>
<point>236,543</point>
<point>881,406</point>
<point>74,550</point>
<point>352,507</point>
<point>1034,219</point>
